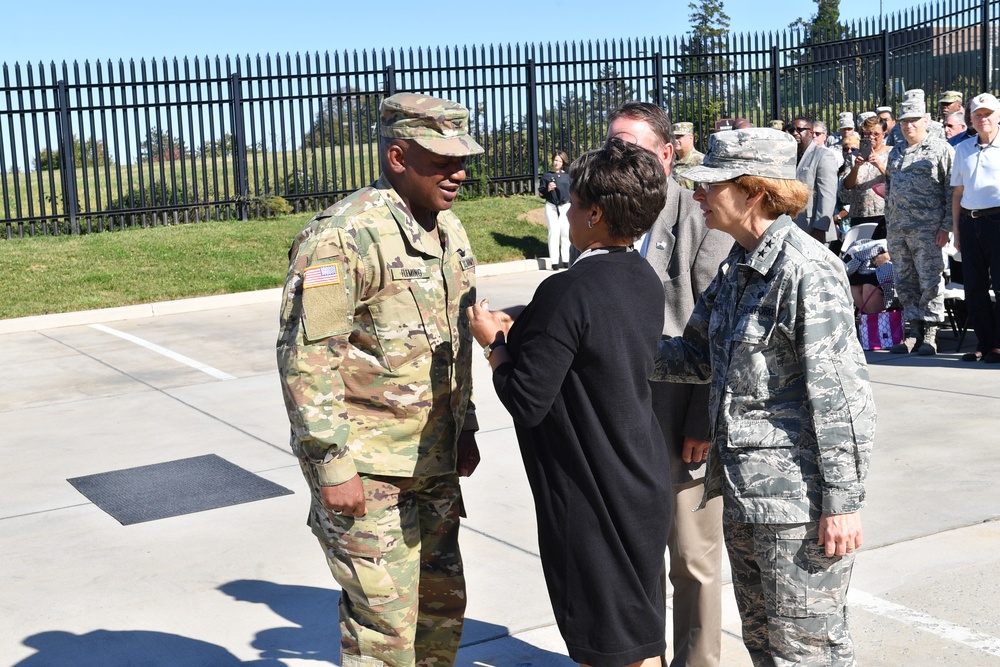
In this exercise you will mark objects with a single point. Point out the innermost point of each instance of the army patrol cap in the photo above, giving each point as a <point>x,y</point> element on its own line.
<point>984,101</point>
<point>846,119</point>
<point>950,96</point>
<point>683,128</point>
<point>914,94</point>
<point>862,117</point>
<point>440,126</point>
<point>912,109</point>
<point>755,151</point>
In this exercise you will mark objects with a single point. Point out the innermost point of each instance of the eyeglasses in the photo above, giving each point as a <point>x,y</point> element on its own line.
<point>799,130</point>
<point>910,121</point>
<point>707,187</point>
<point>951,125</point>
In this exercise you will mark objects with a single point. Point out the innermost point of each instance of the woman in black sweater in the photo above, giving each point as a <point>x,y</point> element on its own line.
<point>573,372</point>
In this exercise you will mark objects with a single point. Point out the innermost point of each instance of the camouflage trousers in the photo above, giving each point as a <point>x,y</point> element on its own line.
<point>402,598</point>
<point>792,598</point>
<point>917,263</point>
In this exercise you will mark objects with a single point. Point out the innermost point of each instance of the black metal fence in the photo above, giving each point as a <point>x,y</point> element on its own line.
<point>109,146</point>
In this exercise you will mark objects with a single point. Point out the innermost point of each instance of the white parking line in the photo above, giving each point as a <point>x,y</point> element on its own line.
<point>921,621</point>
<point>204,368</point>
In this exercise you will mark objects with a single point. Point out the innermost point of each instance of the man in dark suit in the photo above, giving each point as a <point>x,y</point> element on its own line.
<point>817,168</point>
<point>686,255</point>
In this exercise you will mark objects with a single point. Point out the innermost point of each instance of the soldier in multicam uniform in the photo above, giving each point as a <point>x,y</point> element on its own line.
<point>918,221</point>
<point>374,354</point>
<point>793,418</point>
<point>687,155</point>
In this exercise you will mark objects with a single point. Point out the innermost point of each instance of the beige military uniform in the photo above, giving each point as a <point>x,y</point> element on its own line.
<point>374,354</point>
<point>692,159</point>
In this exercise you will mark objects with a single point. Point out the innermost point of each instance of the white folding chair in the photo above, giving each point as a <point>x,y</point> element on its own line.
<point>855,233</point>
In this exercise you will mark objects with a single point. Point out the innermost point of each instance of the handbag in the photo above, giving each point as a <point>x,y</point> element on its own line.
<point>881,330</point>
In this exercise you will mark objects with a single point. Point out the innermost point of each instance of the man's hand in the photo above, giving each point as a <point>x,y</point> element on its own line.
<point>941,238</point>
<point>347,498</point>
<point>695,451</point>
<point>468,453</point>
<point>840,533</point>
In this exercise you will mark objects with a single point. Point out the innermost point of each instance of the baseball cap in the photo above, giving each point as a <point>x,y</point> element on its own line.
<point>683,128</point>
<point>441,126</point>
<point>845,119</point>
<point>755,151</point>
<point>984,101</point>
<point>950,96</point>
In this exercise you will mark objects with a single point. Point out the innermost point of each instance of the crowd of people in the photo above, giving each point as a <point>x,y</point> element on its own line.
<point>692,383</point>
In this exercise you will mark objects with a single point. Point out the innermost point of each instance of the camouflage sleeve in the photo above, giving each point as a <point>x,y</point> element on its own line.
<point>945,166</point>
<point>316,319</point>
<point>687,358</point>
<point>837,388</point>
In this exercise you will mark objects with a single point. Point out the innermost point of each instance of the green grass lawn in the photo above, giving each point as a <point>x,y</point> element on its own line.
<point>67,273</point>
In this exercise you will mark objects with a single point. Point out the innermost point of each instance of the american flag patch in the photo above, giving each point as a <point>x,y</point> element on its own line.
<point>320,275</point>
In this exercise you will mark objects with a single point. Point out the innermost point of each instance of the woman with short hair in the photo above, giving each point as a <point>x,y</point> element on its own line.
<point>573,372</point>
<point>792,410</point>
<point>864,184</point>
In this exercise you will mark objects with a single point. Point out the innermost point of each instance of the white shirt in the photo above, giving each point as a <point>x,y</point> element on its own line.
<point>977,170</point>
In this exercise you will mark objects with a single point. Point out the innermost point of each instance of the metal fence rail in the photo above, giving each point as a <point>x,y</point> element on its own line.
<point>105,146</point>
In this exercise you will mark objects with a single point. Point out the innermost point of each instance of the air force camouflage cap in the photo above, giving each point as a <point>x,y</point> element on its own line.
<point>912,109</point>
<point>755,151</point>
<point>440,126</point>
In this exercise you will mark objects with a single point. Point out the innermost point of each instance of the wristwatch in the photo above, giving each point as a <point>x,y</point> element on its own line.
<point>488,350</point>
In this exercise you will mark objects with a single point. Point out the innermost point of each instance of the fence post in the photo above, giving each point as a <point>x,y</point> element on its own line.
<point>775,82</point>
<point>658,75</point>
<point>390,81</point>
<point>885,67</point>
<point>532,120</point>
<point>67,163</point>
<point>239,146</point>
<point>987,50</point>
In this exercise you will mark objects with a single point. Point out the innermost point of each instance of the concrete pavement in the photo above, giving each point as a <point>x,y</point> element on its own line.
<point>247,584</point>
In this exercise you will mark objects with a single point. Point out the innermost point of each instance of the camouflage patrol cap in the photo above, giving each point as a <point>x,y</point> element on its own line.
<point>914,94</point>
<point>755,151</point>
<point>440,126</point>
<point>950,96</point>
<point>683,128</point>
<point>865,115</point>
<point>912,109</point>
<point>845,119</point>
<point>777,124</point>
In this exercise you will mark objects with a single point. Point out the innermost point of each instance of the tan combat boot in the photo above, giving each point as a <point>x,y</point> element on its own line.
<point>928,343</point>
<point>909,343</point>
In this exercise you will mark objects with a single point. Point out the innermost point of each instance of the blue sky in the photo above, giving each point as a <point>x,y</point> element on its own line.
<point>46,30</point>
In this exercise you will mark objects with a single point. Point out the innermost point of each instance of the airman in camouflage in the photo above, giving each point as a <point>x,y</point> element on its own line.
<point>793,417</point>
<point>374,355</point>
<point>687,155</point>
<point>918,221</point>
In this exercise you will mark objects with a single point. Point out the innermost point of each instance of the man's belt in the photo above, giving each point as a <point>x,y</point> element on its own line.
<point>983,212</point>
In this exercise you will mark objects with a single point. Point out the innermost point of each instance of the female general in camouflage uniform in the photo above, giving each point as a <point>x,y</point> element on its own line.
<point>791,406</point>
